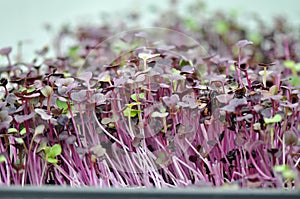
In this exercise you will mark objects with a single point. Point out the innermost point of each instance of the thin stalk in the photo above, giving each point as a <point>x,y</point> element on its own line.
<point>265,77</point>
<point>73,122</point>
<point>131,133</point>
<point>258,169</point>
<point>82,123</point>
<point>44,170</point>
<point>238,71</point>
<point>108,134</point>
<point>64,173</point>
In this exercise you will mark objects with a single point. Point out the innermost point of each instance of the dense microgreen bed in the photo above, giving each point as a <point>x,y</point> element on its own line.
<point>203,101</point>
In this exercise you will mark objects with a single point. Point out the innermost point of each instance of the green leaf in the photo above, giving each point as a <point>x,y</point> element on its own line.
<point>289,64</point>
<point>54,151</point>
<point>183,62</point>
<point>106,120</point>
<point>105,78</point>
<point>52,160</point>
<point>142,95</point>
<point>132,112</point>
<point>66,74</point>
<point>262,73</point>
<point>39,129</point>
<point>126,112</point>
<point>255,37</point>
<point>158,114</point>
<point>175,71</point>
<point>22,89</point>
<point>12,130</point>
<point>19,140</point>
<point>273,90</point>
<point>73,52</point>
<point>62,105</point>
<point>111,125</point>
<point>23,131</point>
<point>222,27</point>
<point>191,23</point>
<point>43,114</point>
<point>47,91</point>
<point>134,96</point>
<point>289,174</point>
<point>41,147</point>
<point>145,56</point>
<point>295,80</point>
<point>46,149</point>
<point>276,118</point>
<point>281,168</point>
<point>232,68</point>
<point>133,104</point>
<point>2,158</point>
<point>30,90</point>
<point>286,171</point>
<point>297,67</point>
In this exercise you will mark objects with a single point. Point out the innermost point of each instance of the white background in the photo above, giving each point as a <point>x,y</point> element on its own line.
<point>24,19</point>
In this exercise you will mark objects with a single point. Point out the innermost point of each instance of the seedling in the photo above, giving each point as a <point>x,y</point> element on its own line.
<point>241,44</point>
<point>145,56</point>
<point>160,114</point>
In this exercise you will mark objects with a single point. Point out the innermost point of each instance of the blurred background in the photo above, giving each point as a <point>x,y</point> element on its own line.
<point>27,20</point>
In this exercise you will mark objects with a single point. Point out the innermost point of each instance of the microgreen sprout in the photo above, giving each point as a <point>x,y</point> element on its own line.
<point>145,56</point>
<point>157,113</point>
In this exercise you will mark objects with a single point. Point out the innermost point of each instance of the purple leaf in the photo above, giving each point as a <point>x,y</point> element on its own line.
<point>5,51</point>
<point>21,118</point>
<point>224,98</point>
<point>64,81</point>
<point>43,114</point>
<point>71,139</point>
<point>63,135</point>
<point>247,117</point>
<point>33,95</point>
<point>87,76</point>
<point>5,120</point>
<point>187,70</point>
<point>188,101</point>
<point>141,34</point>
<point>243,43</point>
<point>291,139</point>
<point>171,101</point>
<point>266,113</point>
<point>62,120</point>
<point>79,96</point>
<point>98,151</point>
<point>234,103</point>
